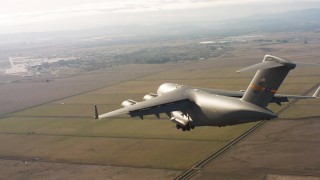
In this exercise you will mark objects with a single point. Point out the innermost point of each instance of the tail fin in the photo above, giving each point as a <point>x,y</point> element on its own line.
<point>271,73</point>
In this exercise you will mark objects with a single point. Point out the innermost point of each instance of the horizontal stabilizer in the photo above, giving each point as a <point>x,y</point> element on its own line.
<point>260,66</point>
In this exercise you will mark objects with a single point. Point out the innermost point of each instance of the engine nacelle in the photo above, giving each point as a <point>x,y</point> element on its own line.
<point>149,96</point>
<point>128,102</point>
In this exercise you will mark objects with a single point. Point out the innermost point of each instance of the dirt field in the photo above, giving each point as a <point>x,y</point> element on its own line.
<point>29,92</point>
<point>62,135</point>
<point>13,169</point>
<point>281,149</point>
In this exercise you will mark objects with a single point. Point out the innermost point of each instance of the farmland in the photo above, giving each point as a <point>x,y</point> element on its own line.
<point>63,130</point>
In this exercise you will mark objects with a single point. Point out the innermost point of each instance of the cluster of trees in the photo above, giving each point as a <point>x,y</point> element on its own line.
<point>165,54</point>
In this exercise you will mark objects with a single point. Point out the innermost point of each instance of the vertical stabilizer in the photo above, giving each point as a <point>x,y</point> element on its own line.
<point>271,73</point>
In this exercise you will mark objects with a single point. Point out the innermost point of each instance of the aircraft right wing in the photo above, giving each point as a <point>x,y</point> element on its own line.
<point>315,95</point>
<point>277,98</point>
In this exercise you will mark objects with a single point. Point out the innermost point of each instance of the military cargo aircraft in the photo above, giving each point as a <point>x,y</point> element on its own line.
<point>189,107</point>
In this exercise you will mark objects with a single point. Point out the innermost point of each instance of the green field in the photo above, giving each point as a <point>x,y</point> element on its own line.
<point>64,131</point>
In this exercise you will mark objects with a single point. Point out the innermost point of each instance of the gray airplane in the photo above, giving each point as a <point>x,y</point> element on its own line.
<point>189,107</point>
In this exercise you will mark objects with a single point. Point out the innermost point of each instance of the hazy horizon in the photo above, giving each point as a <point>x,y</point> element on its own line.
<point>38,16</point>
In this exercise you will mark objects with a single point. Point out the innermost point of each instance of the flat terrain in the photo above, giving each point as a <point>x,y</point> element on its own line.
<point>59,139</point>
<point>14,169</point>
<point>19,93</point>
<point>281,149</point>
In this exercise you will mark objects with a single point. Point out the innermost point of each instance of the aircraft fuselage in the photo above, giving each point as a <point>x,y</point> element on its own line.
<point>208,109</point>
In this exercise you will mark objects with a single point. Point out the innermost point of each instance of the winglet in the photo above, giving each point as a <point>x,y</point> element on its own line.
<point>96,116</point>
<point>317,93</point>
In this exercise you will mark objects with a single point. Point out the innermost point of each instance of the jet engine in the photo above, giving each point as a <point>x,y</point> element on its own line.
<point>149,96</point>
<point>128,102</point>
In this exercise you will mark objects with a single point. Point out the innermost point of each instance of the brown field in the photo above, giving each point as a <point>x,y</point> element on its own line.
<point>31,92</point>
<point>62,131</point>
<point>281,149</point>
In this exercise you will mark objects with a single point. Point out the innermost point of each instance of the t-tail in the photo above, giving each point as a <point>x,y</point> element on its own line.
<point>271,73</point>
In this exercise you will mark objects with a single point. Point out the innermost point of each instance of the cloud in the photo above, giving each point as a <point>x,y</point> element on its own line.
<point>111,6</point>
<point>118,8</point>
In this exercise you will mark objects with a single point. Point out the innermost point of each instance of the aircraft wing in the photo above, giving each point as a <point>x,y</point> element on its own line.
<point>178,100</point>
<point>315,95</point>
<point>277,98</point>
<point>172,101</point>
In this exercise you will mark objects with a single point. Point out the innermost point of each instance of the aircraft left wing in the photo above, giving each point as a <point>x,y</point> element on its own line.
<point>178,100</point>
<point>175,100</point>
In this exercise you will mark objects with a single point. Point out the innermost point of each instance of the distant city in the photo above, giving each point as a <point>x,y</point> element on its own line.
<point>31,66</point>
<point>72,52</point>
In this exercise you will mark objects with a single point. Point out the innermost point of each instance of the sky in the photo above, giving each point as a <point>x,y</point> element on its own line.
<point>54,15</point>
